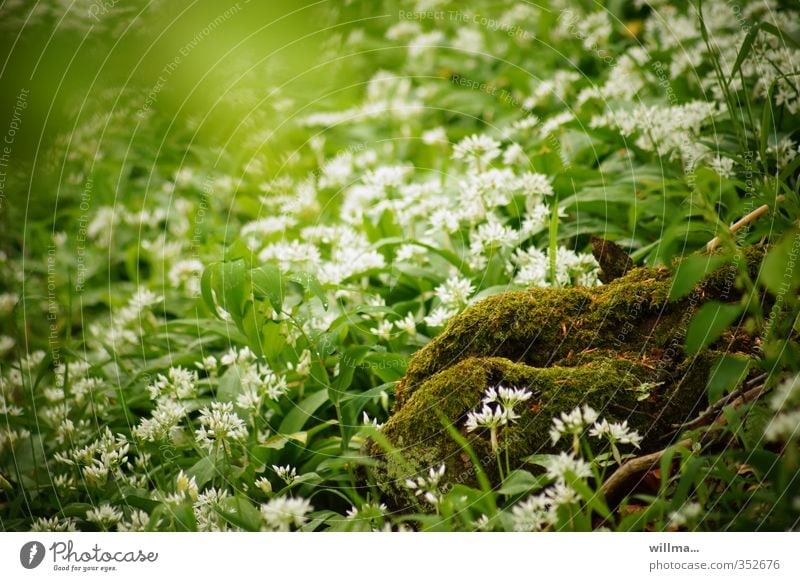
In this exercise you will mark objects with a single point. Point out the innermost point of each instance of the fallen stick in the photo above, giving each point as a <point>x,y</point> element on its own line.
<point>635,466</point>
<point>754,215</point>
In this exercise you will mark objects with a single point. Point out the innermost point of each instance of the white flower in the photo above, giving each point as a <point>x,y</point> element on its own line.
<point>54,525</point>
<point>573,422</point>
<point>686,514</point>
<point>489,417</point>
<point>104,516</point>
<point>6,344</point>
<point>477,149</point>
<point>383,330</point>
<point>616,433</point>
<point>435,136</point>
<point>286,473</point>
<point>137,523</point>
<point>407,324</point>
<point>179,382</point>
<point>7,302</point>
<point>427,487</point>
<point>455,291</point>
<point>514,154</point>
<point>264,485</point>
<point>533,514</point>
<point>162,423</point>
<point>535,184</point>
<point>281,513</point>
<point>373,422</point>
<point>439,316</point>
<point>186,487</point>
<point>723,166</point>
<point>186,274</point>
<point>508,396</point>
<point>219,425</point>
<point>559,465</point>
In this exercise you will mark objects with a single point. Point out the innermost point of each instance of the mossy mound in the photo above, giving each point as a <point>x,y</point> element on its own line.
<point>569,347</point>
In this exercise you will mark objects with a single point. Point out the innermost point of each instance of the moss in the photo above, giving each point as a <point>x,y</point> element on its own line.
<point>605,382</point>
<point>542,326</point>
<point>569,347</point>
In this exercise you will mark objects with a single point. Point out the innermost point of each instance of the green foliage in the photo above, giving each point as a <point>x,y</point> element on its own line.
<point>219,282</point>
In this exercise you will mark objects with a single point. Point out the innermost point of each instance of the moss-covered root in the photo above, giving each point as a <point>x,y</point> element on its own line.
<point>546,326</point>
<point>606,382</point>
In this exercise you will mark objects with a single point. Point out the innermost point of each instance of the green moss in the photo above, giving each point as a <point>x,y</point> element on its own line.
<point>543,326</point>
<point>569,347</point>
<point>605,382</point>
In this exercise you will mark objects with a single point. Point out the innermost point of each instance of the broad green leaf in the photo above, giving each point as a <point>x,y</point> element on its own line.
<point>230,385</point>
<point>310,283</point>
<point>300,414</point>
<point>268,283</point>
<point>692,270</point>
<point>709,323</point>
<point>725,375</point>
<point>780,272</point>
<point>203,470</point>
<point>519,482</point>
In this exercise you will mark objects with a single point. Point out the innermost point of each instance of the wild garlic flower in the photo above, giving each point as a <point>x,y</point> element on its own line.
<point>563,463</point>
<point>509,397</point>
<point>533,514</point>
<point>723,166</point>
<point>455,291</point>
<point>477,149</point>
<point>281,513</point>
<point>785,402</point>
<point>407,325</point>
<point>383,330</point>
<point>368,511</point>
<point>372,422</point>
<point>179,383</point>
<point>488,417</point>
<point>137,522</point>
<point>686,515</point>
<point>186,487</point>
<point>104,516</point>
<point>163,423</point>
<point>439,316</point>
<point>54,525</point>
<point>427,487</point>
<point>219,426</point>
<point>205,510</point>
<point>264,485</point>
<point>286,473</point>
<point>616,433</point>
<point>572,423</point>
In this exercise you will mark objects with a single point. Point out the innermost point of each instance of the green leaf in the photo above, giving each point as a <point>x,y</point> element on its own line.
<point>310,283</point>
<point>691,271</point>
<point>387,366</point>
<point>268,283</point>
<point>709,323</point>
<point>780,273</point>
<point>744,51</point>
<point>519,482</point>
<point>297,418</point>
<point>272,341</point>
<point>239,512</point>
<point>230,385</point>
<point>593,500</point>
<point>725,375</point>
<point>203,471</point>
<point>348,362</point>
<point>232,282</point>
